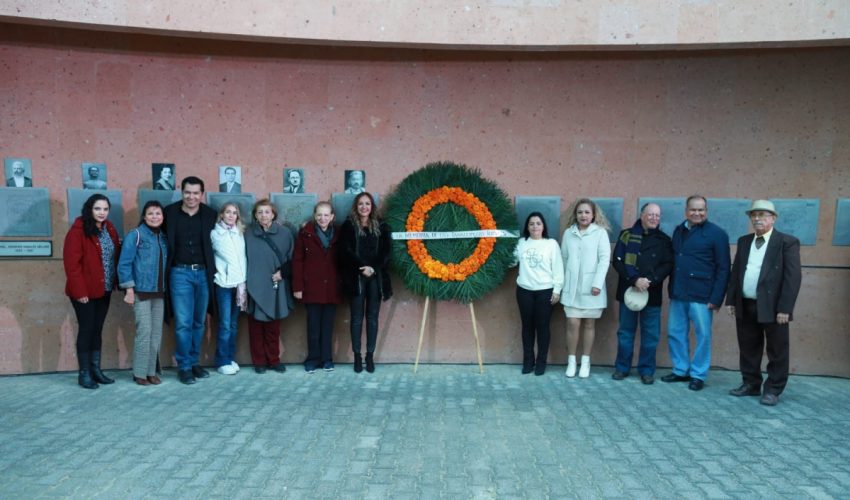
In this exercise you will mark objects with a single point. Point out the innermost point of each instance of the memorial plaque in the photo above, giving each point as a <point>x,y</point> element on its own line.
<point>165,198</point>
<point>296,209</point>
<point>841,235</point>
<point>77,198</point>
<point>798,217</point>
<point>672,211</point>
<point>549,206</point>
<point>25,212</point>
<point>342,204</point>
<point>21,249</point>
<point>730,214</point>
<point>244,200</point>
<point>613,210</point>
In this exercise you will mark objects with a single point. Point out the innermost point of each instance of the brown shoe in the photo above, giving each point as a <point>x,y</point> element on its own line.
<point>154,380</point>
<point>746,390</point>
<point>141,381</point>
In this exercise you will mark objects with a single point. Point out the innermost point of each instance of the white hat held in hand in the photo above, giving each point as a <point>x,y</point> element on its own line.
<point>636,299</point>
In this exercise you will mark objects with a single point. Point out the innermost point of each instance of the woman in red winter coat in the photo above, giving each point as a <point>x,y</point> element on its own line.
<point>90,255</point>
<point>316,284</point>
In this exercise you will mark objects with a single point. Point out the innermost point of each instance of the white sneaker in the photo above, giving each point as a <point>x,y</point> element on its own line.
<point>584,371</point>
<point>234,365</point>
<point>571,366</point>
<point>227,370</point>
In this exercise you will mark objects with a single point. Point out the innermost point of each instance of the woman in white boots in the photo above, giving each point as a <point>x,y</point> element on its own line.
<point>587,254</point>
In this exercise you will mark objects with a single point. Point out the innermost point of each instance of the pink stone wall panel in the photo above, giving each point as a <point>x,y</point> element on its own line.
<point>726,124</point>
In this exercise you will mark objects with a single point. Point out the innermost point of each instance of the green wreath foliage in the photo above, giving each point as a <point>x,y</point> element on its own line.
<point>451,217</point>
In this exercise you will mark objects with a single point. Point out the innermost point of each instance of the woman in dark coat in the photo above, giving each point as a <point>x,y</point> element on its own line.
<point>365,247</point>
<point>89,255</point>
<point>315,282</point>
<point>269,247</point>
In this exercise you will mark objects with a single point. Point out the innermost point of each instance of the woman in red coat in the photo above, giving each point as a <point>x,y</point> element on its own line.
<point>316,284</point>
<point>90,254</point>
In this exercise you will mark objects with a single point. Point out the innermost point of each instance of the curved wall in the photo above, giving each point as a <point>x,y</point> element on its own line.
<point>496,24</point>
<point>769,123</point>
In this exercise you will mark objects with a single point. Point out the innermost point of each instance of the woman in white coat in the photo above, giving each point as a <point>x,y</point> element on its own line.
<point>231,268</point>
<point>587,253</point>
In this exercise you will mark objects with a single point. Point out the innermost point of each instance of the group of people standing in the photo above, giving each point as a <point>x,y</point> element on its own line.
<point>185,254</point>
<point>185,261</point>
<point>761,290</point>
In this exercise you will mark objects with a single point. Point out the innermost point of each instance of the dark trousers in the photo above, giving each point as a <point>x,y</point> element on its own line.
<point>367,303</point>
<point>320,329</point>
<point>535,310</point>
<point>751,342</point>
<point>90,318</point>
<point>264,338</point>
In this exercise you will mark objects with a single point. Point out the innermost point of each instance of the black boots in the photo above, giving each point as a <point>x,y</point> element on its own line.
<point>358,363</point>
<point>370,362</point>
<point>98,375</point>
<point>84,378</point>
<point>527,364</point>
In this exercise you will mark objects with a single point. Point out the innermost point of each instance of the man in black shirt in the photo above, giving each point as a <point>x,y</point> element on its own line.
<point>191,267</point>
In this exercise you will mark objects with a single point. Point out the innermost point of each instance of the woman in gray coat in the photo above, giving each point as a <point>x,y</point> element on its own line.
<point>269,247</point>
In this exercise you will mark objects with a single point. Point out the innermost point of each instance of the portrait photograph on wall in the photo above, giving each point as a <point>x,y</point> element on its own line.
<point>18,172</point>
<point>94,175</point>
<point>163,175</point>
<point>293,180</point>
<point>230,179</point>
<point>355,181</point>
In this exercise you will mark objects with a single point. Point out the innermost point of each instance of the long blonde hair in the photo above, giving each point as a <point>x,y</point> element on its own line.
<point>239,225</point>
<point>373,225</point>
<point>598,215</point>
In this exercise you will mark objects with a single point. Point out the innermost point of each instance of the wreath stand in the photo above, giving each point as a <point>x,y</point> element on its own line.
<point>422,334</point>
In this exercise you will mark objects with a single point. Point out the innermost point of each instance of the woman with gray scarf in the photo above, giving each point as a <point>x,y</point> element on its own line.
<point>269,247</point>
<point>315,282</point>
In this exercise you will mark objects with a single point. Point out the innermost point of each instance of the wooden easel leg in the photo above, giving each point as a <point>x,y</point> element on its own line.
<point>421,332</point>
<point>475,333</point>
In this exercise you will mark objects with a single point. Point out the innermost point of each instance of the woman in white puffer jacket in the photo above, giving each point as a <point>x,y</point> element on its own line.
<point>231,267</point>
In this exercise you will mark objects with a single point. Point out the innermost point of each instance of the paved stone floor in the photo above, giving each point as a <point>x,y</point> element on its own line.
<point>447,432</point>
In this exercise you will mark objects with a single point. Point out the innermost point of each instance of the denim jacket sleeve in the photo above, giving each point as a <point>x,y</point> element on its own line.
<point>125,261</point>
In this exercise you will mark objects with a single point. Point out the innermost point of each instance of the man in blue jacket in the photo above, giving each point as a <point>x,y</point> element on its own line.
<point>697,288</point>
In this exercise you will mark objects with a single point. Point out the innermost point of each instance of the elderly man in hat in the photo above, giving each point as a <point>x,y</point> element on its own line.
<point>643,258</point>
<point>763,288</point>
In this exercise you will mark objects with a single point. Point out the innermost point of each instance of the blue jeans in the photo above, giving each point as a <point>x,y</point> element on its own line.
<point>228,325</point>
<point>189,299</point>
<point>682,313</point>
<point>650,330</point>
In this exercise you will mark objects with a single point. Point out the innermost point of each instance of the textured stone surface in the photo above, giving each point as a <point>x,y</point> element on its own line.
<point>446,432</point>
<point>554,24</point>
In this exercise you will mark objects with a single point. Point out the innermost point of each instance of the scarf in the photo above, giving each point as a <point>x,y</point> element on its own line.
<point>629,250</point>
<point>325,236</point>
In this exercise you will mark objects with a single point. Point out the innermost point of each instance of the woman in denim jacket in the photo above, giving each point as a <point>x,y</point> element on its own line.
<point>141,273</point>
